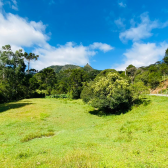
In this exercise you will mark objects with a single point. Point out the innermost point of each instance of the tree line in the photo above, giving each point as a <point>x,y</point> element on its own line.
<point>108,89</point>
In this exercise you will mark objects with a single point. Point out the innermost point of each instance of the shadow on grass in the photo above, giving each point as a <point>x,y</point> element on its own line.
<point>145,101</point>
<point>121,110</point>
<point>5,107</point>
<point>106,111</point>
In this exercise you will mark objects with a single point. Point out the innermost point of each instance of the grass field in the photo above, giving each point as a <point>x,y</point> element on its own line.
<point>64,133</point>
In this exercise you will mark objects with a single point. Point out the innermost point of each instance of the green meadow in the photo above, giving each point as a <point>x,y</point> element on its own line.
<point>68,133</point>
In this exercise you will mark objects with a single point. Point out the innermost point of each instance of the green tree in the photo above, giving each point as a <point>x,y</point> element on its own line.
<point>12,71</point>
<point>130,71</point>
<point>29,57</point>
<point>76,80</point>
<point>46,80</point>
<point>165,59</point>
<point>139,90</point>
<point>110,92</point>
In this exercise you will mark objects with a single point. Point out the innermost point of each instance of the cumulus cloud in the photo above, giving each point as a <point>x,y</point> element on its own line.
<point>122,4</point>
<point>101,46</point>
<point>70,53</point>
<point>141,31</point>
<point>143,54</point>
<point>20,33</point>
<point>17,31</point>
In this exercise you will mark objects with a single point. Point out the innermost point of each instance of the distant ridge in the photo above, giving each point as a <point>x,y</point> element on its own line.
<point>58,68</point>
<point>87,68</point>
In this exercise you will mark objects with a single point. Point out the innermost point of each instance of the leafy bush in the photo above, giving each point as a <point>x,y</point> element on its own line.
<point>109,92</point>
<point>139,90</point>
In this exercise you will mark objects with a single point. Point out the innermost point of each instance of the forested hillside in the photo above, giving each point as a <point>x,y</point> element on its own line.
<point>58,68</point>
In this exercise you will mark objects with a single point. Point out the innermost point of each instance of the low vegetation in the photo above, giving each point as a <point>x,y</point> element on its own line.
<point>36,135</point>
<point>68,133</point>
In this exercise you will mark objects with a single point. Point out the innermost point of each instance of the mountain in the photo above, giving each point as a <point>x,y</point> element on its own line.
<point>87,68</point>
<point>58,68</point>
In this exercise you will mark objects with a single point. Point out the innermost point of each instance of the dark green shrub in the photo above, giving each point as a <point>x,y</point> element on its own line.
<point>109,92</point>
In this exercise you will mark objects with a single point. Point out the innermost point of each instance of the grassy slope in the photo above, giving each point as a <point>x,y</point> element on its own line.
<point>138,138</point>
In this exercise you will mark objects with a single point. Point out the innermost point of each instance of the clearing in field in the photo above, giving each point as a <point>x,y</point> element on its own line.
<point>64,133</point>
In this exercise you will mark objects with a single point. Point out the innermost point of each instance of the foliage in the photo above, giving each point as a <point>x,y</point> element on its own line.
<point>14,83</point>
<point>139,91</point>
<point>45,79</point>
<point>75,82</point>
<point>130,71</point>
<point>165,59</point>
<point>12,73</point>
<point>110,92</point>
<point>106,71</point>
<point>29,57</point>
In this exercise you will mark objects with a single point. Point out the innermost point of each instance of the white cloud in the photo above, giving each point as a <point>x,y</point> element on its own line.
<point>121,4</point>
<point>17,31</point>
<point>143,54</point>
<point>142,31</point>
<point>20,33</point>
<point>14,6</point>
<point>120,23</point>
<point>69,53</point>
<point>101,46</point>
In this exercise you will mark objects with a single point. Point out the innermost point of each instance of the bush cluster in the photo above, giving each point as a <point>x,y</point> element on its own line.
<point>109,92</point>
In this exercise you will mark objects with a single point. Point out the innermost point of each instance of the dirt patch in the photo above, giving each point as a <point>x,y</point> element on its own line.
<point>163,85</point>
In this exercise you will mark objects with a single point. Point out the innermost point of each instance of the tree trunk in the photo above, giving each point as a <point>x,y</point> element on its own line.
<point>28,66</point>
<point>3,75</point>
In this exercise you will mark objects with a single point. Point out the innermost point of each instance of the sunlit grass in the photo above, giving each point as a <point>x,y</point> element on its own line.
<point>62,133</point>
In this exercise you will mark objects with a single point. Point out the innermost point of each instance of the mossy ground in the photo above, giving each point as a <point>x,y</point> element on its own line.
<point>63,133</point>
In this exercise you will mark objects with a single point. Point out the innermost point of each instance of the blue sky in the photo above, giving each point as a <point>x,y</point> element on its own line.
<point>105,34</point>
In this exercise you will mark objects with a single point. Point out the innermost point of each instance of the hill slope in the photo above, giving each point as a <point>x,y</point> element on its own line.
<point>161,88</point>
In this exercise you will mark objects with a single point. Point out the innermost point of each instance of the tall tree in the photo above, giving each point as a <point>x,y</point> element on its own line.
<point>29,57</point>
<point>76,81</point>
<point>12,68</point>
<point>130,71</point>
<point>165,59</point>
<point>5,55</point>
